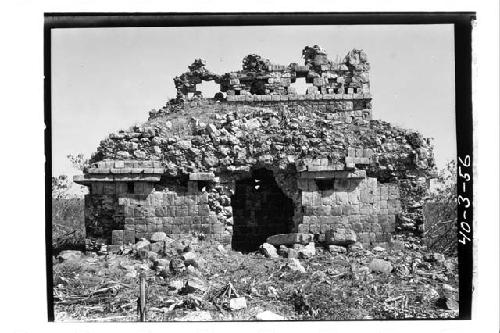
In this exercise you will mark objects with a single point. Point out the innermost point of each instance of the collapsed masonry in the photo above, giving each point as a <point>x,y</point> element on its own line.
<point>259,160</point>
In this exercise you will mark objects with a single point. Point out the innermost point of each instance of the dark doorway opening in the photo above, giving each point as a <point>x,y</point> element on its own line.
<point>260,209</point>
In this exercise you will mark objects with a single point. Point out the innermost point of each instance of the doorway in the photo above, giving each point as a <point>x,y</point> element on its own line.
<point>260,210</point>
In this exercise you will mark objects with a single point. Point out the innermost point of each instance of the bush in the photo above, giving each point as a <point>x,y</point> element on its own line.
<point>440,213</point>
<point>68,229</point>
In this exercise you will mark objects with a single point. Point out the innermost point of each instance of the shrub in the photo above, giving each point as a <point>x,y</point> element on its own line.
<point>68,230</point>
<point>440,213</point>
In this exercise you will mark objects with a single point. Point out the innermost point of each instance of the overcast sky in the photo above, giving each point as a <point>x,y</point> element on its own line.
<point>107,79</point>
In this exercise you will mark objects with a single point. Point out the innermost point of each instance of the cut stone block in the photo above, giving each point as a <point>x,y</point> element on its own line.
<point>341,237</point>
<point>290,239</point>
<point>117,237</point>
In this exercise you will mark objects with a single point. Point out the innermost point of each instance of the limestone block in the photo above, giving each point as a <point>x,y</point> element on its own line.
<point>158,247</point>
<point>358,226</point>
<point>109,188</point>
<point>365,196</point>
<point>306,198</point>
<point>379,265</point>
<point>306,220</point>
<point>391,207</point>
<point>364,237</point>
<point>128,237</point>
<point>386,228</point>
<point>324,227</point>
<point>383,211</point>
<point>289,239</point>
<point>158,237</point>
<point>346,209</point>
<point>376,228</point>
<point>170,211</point>
<point>313,220</point>
<point>394,191</point>
<point>170,198</point>
<point>353,197</point>
<point>342,237</point>
<point>150,220</point>
<point>114,248</point>
<point>327,199</point>
<point>217,228</point>
<point>352,219</point>
<point>368,152</point>
<point>129,227</point>
<point>398,207</point>
<point>307,251</point>
<point>237,303</point>
<point>181,211</point>
<point>351,152</point>
<point>186,228</point>
<point>267,315</point>
<point>193,210</point>
<point>160,211</point>
<point>314,228</point>
<point>203,210</point>
<point>384,193</point>
<point>316,210</point>
<point>383,219</point>
<point>117,237</point>
<point>336,210</point>
<point>342,198</point>
<point>269,250</point>
<point>316,199</point>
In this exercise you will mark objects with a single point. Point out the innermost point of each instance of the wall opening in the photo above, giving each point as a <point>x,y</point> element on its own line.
<point>300,86</point>
<point>208,89</point>
<point>260,209</point>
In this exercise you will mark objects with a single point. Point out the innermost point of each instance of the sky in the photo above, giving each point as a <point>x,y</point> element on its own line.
<point>107,79</point>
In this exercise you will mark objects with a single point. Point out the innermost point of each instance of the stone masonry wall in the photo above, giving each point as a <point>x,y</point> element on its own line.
<point>362,205</point>
<point>171,212</point>
<point>347,106</point>
<point>327,134</point>
<point>141,208</point>
<point>261,77</point>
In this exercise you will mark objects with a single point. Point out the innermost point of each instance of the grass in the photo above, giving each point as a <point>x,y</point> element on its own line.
<point>335,287</point>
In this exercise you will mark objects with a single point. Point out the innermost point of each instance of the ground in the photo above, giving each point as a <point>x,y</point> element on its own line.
<point>335,286</point>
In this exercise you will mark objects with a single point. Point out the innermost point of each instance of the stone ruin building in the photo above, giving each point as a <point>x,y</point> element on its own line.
<point>259,159</point>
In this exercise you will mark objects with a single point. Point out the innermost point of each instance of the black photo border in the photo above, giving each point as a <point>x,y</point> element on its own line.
<point>462,22</point>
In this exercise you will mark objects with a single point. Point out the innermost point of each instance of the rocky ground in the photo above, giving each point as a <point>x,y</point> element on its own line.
<point>193,279</point>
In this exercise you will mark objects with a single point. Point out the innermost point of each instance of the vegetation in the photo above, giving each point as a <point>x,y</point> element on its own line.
<point>441,213</point>
<point>68,231</point>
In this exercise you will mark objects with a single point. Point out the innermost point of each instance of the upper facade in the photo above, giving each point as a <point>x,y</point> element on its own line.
<point>345,79</point>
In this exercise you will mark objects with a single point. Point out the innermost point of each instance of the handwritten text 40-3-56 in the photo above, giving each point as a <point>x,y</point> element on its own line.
<point>463,179</point>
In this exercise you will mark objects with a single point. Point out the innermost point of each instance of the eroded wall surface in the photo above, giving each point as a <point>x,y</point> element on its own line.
<point>184,170</point>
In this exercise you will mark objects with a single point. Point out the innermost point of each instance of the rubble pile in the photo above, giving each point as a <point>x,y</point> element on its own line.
<point>193,280</point>
<point>258,135</point>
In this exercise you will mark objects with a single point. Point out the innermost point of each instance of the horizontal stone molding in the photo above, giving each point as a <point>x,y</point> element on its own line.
<point>332,174</point>
<point>91,178</point>
<point>309,97</point>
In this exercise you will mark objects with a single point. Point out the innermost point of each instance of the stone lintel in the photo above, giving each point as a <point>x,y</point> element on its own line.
<point>93,178</point>
<point>202,176</point>
<point>332,174</point>
<point>126,170</point>
<point>232,168</point>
